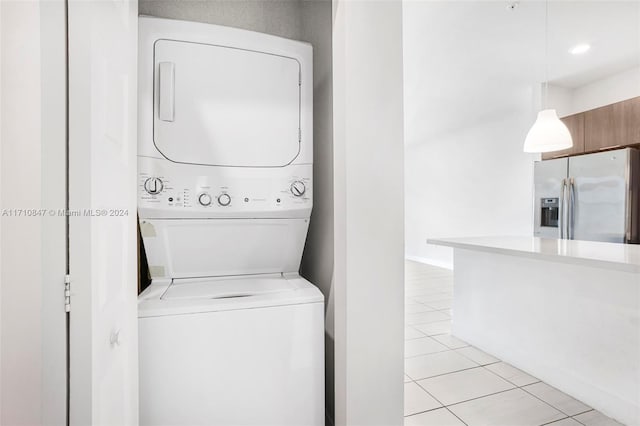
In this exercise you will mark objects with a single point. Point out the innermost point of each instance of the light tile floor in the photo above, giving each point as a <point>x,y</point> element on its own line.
<point>450,383</point>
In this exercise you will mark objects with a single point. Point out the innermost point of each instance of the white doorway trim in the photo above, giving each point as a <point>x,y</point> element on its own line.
<point>369,212</point>
<point>103,43</point>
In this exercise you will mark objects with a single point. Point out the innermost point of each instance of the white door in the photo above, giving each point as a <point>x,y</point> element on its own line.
<point>102,201</point>
<point>33,258</point>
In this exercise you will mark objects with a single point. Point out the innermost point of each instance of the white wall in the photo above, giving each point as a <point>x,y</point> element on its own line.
<point>277,17</point>
<point>615,88</point>
<point>33,257</point>
<point>557,97</point>
<point>611,89</point>
<point>473,182</point>
<point>368,186</point>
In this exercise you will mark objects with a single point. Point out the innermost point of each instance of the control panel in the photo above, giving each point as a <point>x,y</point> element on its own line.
<point>179,192</point>
<point>153,185</point>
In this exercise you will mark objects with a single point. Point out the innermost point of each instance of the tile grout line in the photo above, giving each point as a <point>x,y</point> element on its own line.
<point>483,396</point>
<point>440,402</point>
<point>573,417</point>
<point>444,374</point>
<point>469,358</point>
<point>553,421</point>
<point>552,406</point>
<point>513,383</point>
<point>428,353</point>
<point>428,322</point>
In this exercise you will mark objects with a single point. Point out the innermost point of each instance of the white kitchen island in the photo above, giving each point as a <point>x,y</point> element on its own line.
<point>567,312</point>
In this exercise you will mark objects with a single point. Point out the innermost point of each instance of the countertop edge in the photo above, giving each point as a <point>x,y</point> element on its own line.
<point>581,261</point>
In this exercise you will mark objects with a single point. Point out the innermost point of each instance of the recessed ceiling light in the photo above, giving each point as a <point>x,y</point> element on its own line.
<point>579,49</point>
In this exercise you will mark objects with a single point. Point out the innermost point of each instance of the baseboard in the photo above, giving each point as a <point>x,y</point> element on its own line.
<point>430,261</point>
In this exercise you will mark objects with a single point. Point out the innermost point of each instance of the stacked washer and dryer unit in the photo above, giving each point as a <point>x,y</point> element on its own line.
<point>229,333</point>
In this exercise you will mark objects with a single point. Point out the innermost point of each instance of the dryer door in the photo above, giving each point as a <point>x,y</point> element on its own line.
<point>223,106</point>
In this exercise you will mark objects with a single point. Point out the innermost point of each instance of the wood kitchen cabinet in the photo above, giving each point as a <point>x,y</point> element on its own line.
<point>608,127</point>
<point>575,123</point>
<point>612,126</point>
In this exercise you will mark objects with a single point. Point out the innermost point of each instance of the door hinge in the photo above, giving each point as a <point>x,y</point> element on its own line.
<point>67,293</point>
<point>299,135</point>
<point>299,79</point>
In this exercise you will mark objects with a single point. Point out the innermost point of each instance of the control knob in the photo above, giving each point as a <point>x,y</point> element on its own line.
<point>153,185</point>
<point>204,199</point>
<point>224,199</point>
<point>298,188</point>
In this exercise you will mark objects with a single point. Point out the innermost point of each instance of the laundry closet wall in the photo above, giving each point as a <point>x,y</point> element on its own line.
<point>310,21</point>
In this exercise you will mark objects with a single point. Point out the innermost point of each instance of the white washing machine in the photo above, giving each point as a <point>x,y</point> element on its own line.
<point>230,334</point>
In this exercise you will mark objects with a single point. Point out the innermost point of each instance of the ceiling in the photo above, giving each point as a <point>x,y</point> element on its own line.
<point>468,60</point>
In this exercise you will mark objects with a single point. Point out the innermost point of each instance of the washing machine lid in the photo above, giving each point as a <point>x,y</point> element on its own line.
<point>216,294</point>
<point>225,106</point>
<point>226,287</point>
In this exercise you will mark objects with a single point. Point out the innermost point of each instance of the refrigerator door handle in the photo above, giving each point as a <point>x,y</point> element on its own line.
<point>563,185</point>
<point>572,209</point>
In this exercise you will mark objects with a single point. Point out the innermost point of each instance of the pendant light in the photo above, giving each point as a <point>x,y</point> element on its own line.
<point>548,133</point>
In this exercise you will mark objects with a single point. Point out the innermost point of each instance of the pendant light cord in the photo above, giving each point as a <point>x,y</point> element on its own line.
<point>546,55</point>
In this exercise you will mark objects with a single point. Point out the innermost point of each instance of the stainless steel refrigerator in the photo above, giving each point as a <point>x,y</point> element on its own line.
<point>592,197</point>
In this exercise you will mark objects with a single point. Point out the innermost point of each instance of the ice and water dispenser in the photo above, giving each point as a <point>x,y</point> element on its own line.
<point>549,212</point>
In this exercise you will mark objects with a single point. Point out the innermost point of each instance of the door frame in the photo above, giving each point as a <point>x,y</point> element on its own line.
<point>103,41</point>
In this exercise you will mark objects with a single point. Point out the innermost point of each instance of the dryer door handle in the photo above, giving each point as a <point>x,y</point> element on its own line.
<point>166,91</point>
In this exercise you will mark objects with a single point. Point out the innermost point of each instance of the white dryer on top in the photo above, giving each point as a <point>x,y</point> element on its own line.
<point>230,334</point>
